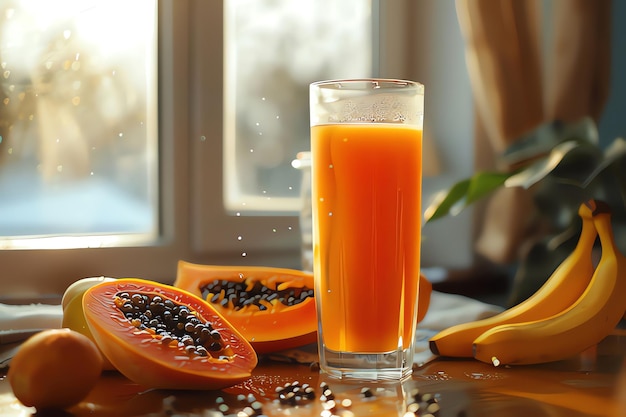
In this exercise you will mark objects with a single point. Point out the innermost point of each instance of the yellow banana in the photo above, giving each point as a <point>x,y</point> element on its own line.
<point>563,287</point>
<point>584,324</point>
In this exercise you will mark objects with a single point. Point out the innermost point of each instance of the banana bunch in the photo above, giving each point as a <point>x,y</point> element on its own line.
<point>575,309</point>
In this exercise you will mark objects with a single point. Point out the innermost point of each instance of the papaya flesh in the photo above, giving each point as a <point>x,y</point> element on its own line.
<point>273,308</point>
<point>164,337</point>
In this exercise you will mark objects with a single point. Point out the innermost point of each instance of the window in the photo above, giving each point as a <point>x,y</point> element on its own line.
<point>194,211</point>
<point>79,123</point>
<point>273,51</point>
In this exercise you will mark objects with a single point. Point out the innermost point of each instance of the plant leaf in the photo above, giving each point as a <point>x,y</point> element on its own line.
<point>613,153</point>
<point>464,193</point>
<point>540,141</point>
<point>538,170</point>
<point>483,183</point>
<point>444,201</point>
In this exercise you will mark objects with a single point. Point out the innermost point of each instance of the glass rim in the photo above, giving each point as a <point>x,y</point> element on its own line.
<point>367,84</point>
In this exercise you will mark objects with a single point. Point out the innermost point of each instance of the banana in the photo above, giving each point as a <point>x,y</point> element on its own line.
<point>584,324</point>
<point>563,287</point>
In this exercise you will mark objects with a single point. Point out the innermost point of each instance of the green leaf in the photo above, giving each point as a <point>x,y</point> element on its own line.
<point>538,170</point>
<point>612,154</point>
<point>484,183</point>
<point>464,193</point>
<point>445,201</point>
<point>541,140</point>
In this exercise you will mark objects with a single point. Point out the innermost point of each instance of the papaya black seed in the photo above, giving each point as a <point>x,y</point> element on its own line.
<point>366,392</point>
<point>170,321</point>
<point>127,308</point>
<point>137,300</point>
<point>238,295</point>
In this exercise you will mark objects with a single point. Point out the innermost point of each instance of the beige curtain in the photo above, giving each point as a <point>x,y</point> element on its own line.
<point>515,90</point>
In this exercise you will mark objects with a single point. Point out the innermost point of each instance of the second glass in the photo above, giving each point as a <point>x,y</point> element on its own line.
<point>366,150</point>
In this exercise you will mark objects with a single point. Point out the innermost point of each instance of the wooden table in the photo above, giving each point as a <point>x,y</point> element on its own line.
<point>592,384</point>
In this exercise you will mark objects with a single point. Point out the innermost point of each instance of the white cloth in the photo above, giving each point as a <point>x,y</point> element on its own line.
<point>449,309</point>
<point>31,316</point>
<point>17,322</point>
<point>445,310</point>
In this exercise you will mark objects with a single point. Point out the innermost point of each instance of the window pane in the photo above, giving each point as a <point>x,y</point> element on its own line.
<point>274,49</point>
<point>78,119</point>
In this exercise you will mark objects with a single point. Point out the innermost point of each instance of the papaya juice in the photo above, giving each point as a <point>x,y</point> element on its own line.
<point>366,192</point>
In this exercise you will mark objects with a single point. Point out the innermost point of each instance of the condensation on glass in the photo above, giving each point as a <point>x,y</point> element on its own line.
<point>274,49</point>
<point>78,122</point>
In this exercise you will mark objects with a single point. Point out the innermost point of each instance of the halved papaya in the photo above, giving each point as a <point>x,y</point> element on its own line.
<point>160,336</point>
<point>273,308</point>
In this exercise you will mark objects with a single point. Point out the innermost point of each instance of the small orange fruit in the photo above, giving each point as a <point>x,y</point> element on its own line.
<point>54,369</point>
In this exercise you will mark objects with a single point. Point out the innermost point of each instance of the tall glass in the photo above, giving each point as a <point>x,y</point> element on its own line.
<point>366,150</point>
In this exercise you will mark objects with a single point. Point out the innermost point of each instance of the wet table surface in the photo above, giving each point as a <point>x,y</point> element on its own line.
<point>592,384</point>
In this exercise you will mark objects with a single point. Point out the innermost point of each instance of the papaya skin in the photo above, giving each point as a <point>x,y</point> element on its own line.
<point>146,359</point>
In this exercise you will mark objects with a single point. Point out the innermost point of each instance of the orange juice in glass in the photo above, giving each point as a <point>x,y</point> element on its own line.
<point>366,151</point>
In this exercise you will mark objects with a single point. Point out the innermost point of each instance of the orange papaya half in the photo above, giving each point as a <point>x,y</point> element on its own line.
<point>273,308</point>
<point>160,336</point>
<point>265,315</point>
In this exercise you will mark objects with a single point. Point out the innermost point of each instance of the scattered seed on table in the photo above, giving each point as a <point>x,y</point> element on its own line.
<point>366,392</point>
<point>413,407</point>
